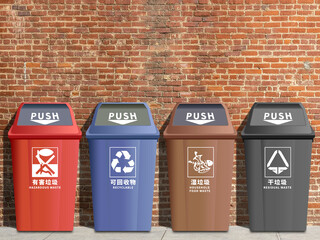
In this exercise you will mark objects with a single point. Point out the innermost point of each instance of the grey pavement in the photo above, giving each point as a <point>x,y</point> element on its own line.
<point>159,233</point>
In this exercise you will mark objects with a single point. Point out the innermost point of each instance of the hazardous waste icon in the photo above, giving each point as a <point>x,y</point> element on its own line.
<point>200,162</point>
<point>277,161</point>
<point>45,162</point>
<point>122,161</point>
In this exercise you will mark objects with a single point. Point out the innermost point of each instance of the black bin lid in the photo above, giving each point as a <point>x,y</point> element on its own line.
<point>277,120</point>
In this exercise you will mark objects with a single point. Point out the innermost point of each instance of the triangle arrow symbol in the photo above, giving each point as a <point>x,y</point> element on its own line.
<point>45,122</point>
<point>200,122</point>
<point>278,122</point>
<point>277,170</point>
<point>122,122</point>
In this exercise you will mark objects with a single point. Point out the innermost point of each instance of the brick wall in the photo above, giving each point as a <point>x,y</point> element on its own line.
<point>161,52</point>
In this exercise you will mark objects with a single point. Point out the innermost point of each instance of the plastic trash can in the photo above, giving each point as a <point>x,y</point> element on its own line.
<point>278,140</point>
<point>200,150</point>
<point>122,144</point>
<point>45,145</point>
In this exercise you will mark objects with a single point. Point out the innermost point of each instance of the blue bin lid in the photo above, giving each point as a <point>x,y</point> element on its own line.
<point>122,120</point>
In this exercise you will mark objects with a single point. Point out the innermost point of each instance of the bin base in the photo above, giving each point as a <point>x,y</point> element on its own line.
<point>278,229</point>
<point>122,229</point>
<point>213,229</point>
<point>44,229</point>
<point>193,230</point>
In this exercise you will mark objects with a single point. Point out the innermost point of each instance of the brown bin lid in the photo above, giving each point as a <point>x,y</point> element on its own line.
<point>200,121</point>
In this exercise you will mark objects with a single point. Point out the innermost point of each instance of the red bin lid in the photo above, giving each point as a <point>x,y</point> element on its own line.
<point>44,120</point>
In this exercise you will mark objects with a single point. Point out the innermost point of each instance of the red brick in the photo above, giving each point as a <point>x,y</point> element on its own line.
<point>64,65</point>
<point>7,1</point>
<point>32,64</point>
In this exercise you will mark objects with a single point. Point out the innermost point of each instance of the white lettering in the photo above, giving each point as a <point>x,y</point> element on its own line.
<point>41,116</point>
<point>200,118</point>
<point>55,116</point>
<point>278,118</point>
<point>189,115</point>
<point>123,118</point>
<point>118,116</point>
<point>33,115</point>
<point>288,116</point>
<point>111,115</point>
<point>133,116</point>
<point>48,116</point>
<point>45,118</point>
<point>211,116</point>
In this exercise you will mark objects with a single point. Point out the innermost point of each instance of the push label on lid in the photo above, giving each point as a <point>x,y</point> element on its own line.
<point>122,114</point>
<point>200,114</point>
<point>281,116</point>
<point>44,114</point>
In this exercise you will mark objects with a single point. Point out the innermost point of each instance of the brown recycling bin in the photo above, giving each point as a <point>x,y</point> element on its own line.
<point>200,148</point>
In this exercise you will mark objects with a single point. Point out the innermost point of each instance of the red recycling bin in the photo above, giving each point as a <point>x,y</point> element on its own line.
<point>45,146</point>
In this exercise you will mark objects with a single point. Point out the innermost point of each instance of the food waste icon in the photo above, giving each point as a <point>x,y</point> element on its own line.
<point>45,162</point>
<point>199,165</point>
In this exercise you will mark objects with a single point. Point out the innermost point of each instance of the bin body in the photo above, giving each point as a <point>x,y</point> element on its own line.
<point>122,201</point>
<point>44,201</point>
<point>274,210</point>
<point>200,199</point>
<point>278,168</point>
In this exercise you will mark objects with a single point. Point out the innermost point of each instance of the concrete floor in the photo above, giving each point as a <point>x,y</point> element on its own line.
<point>159,233</point>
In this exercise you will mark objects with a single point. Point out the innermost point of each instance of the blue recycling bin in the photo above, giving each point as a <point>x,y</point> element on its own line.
<point>122,144</point>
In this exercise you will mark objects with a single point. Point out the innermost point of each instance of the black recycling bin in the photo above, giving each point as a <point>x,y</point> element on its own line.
<point>278,141</point>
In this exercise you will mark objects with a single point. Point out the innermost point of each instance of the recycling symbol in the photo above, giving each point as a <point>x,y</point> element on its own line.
<point>122,155</point>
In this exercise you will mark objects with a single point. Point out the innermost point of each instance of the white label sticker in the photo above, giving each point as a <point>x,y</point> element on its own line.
<point>45,168</point>
<point>122,167</point>
<point>277,168</point>
<point>277,162</point>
